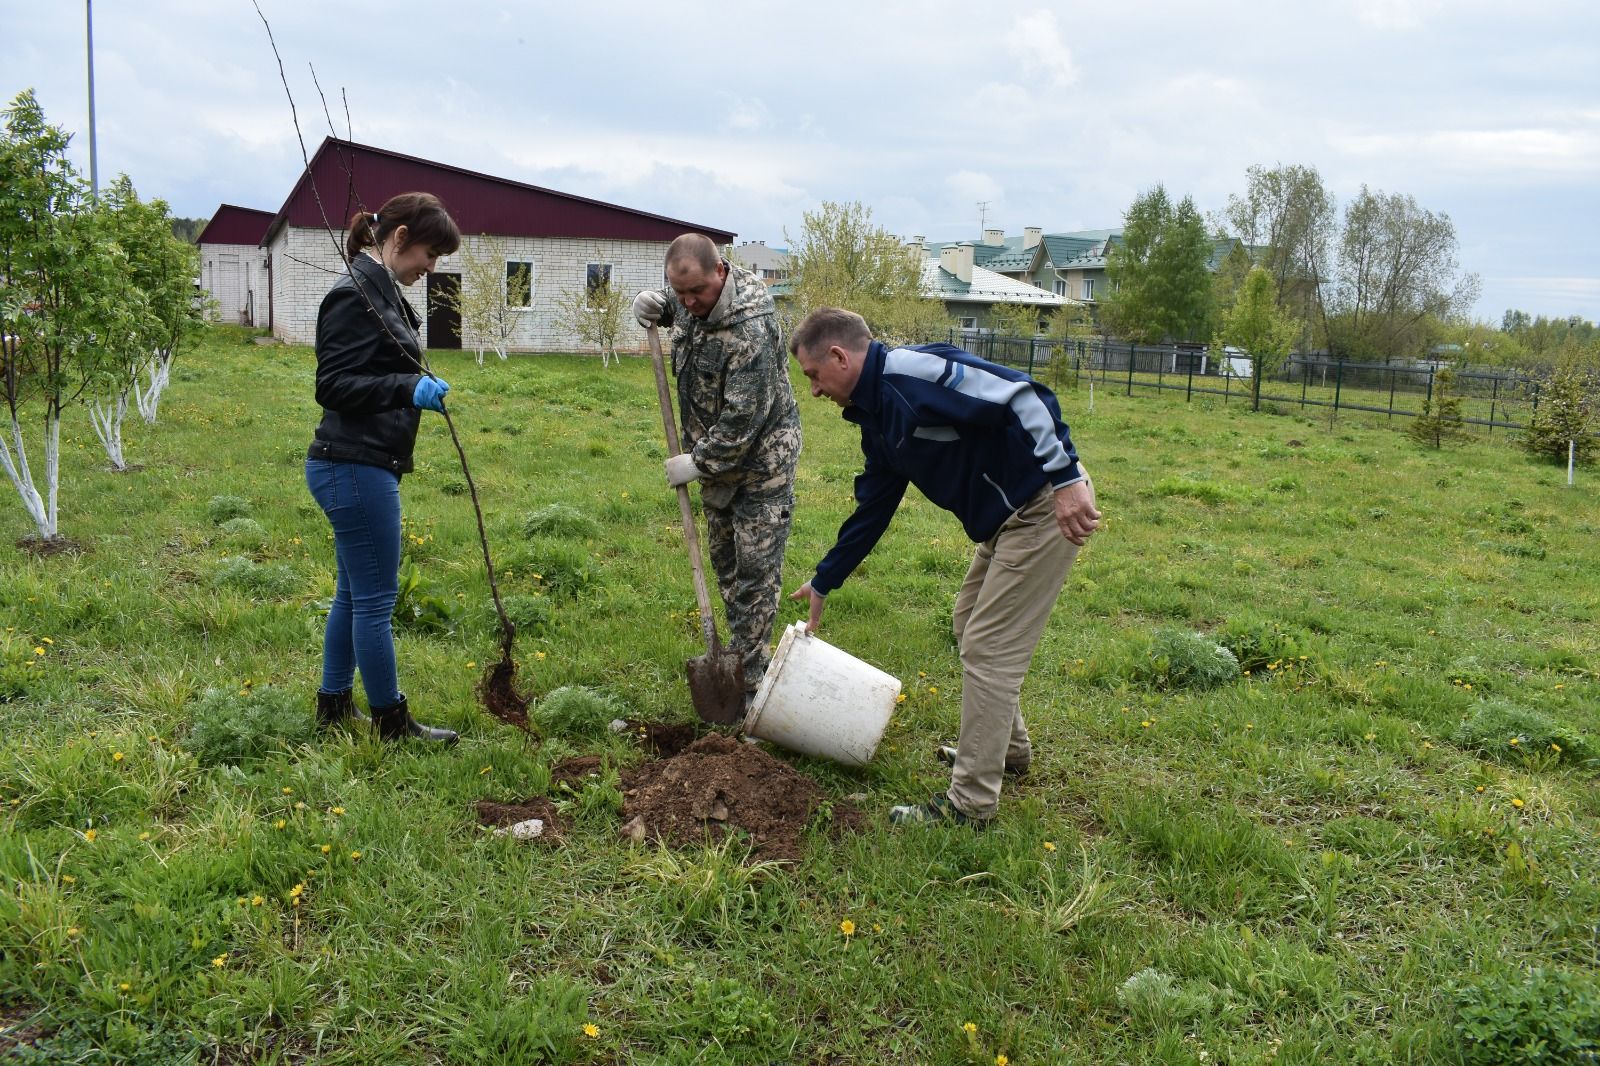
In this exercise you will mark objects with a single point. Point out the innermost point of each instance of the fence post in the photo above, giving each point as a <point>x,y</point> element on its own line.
<point>1305,374</point>
<point>1391,389</point>
<point>1338,384</point>
<point>1188,392</point>
<point>1494,396</point>
<point>1130,368</point>
<point>1427,401</point>
<point>1227,379</point>
<point>1160,365</point>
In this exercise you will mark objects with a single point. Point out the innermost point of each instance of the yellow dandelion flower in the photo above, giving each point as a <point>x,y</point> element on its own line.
<point>299,805</point>
<point>969,1028</point>
<point>117,756</point>
<point>485,770</point>
<point>298,889</point>
<point>356,856</point>
<point>256,901</point>
<point>591,1030</point>
<point>69,879</point>
<point>1049,845</point>
<point>1249,726</point>
<point>47,640</point>
<point>847,927</point>
<point>145,835</point>
<point>1556,748</point>
<point>286,790</point>
<point>89,835</point>
<point>1516,803</point>
<point>280,823</point>
<point>1145,724</point>
<point>220,961</point>
<point>1000,1060</point>
<point>73,930</point>
<point>336,810</point>
<point>326,848</point>
<point>124,987</point>
<point>538,655</point>
<point>900,697</point>
<point>933,690</point>
<point>38,651</point>
<point>1515,741</point>
<point>1478,789</point>
<point>471,666</point>
<point>1427,745</point>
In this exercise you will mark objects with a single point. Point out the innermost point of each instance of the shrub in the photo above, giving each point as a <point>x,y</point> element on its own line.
<point>1493,725</point>
<point>529,614</point>
<point>573,711</point>
<point>1545,1016</point>
<point>242,727</point>
<point>1181,658</point>
<point>222,508</point>
<point>1564,413</point>
<point>559,520</point>
<point>244,531</point>
<point>264,581</point>
<point>1155,999</point>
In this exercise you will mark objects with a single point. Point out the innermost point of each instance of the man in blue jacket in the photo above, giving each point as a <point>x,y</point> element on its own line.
<point>986,443</point>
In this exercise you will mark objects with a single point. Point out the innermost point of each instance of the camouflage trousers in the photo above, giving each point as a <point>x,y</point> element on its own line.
<point>746,537</point>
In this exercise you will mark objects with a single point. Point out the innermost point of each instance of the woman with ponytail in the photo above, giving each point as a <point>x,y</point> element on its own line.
<point>372,386</point>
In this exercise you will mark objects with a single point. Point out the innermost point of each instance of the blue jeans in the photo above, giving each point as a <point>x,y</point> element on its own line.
<point>363,505</point>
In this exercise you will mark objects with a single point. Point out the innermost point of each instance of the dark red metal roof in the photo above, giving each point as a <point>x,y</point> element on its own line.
<point>236,225</point>
<point>350,177</point>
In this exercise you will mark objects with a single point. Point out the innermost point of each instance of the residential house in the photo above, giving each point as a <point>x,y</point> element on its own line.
<point>771,265</point>
<point>557,242</point>
<point>970,291</point>
<point>233,268</point>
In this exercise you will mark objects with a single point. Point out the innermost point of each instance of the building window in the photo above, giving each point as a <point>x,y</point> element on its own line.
<point>969,323</point>
<point>519,283</point>
<point>1088,288</point>
<point>597,279</point>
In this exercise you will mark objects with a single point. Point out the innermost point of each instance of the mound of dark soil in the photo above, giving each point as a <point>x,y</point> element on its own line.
<point>719,785</point>
<point>664,741</point>
<point>499,814</point>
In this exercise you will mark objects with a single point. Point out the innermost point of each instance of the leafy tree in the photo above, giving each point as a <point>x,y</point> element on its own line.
<point>1069,324</point>
<point>1440,422</point>
<point>1159,277</point>
<point>1017,320</point>
<point>1289,217</point>
<point>59,290</point>
<point>1565,412</point>
<point>188,230</point>
<point>1227,281</point>
<point>1397,266</point>
<point>595,315</point>
<point>840,259</point>
<point>1256,325</point>
<point>490,298</point>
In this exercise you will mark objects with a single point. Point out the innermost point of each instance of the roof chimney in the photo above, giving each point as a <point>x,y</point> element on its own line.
<point>957,260</point>
<point>1031,236</point>
<point>994,236</point>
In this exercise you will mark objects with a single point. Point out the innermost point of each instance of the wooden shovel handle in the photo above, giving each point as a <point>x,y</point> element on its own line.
<point>708,622</point>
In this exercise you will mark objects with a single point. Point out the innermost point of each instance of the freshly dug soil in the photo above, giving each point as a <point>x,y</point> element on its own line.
<point>44,547</point>
<point>664,741</point>
<point>719,785</point>
<point>572,772</point>
<point>499,814</point>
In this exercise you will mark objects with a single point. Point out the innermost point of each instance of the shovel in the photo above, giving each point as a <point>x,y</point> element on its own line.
<point>716,679</point>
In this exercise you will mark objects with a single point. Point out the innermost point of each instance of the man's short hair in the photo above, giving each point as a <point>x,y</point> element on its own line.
<point>827,326</point>
<point>694,248</point>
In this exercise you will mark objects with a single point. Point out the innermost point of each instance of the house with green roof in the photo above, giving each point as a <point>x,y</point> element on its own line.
<point>1071,265</point>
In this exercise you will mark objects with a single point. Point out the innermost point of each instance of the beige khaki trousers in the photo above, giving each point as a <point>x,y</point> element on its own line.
<point>1000,614</point>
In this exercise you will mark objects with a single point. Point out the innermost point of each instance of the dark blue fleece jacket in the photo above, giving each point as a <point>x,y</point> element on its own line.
<point>977,438</point>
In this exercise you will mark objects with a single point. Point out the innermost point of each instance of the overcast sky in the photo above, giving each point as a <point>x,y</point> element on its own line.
<point>743,115</point>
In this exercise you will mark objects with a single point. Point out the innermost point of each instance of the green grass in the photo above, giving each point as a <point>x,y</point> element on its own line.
<point>1319,860</point>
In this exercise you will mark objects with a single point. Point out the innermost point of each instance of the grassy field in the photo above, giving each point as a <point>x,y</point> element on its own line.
<point>1375,841</point>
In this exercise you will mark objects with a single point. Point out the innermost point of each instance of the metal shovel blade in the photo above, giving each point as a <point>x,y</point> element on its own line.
<point>716,685</point>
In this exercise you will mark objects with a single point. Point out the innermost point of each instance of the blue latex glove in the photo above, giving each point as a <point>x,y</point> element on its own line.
<point>430,393</point>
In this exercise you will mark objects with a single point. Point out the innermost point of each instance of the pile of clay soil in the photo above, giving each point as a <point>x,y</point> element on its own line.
<point>720,785</point>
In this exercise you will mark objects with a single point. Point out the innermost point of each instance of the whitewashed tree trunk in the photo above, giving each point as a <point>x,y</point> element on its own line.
<point>14,458</point>
<point>107,416</point>
<point>149,398</point>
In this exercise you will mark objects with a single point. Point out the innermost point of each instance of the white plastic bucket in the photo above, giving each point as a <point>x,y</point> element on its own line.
<point>818,700</point>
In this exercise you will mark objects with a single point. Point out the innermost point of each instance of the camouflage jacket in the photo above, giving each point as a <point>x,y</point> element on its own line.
<point>736,409</point>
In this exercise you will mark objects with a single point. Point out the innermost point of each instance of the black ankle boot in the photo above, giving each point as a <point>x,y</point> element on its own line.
<point>396,723</point>
<point>338,708</point>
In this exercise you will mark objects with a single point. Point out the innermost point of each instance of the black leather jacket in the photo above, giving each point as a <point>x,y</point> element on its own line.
<point>368,364</point>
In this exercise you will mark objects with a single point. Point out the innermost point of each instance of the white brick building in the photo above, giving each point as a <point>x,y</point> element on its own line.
<point>561,240</point>
<point>233,266</point>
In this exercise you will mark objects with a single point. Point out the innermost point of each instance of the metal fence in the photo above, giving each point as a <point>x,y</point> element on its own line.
<point>1492,399</point>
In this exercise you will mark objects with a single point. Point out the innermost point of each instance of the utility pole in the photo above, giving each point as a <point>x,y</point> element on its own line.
<point>94,155</point>
<point>983,215</point>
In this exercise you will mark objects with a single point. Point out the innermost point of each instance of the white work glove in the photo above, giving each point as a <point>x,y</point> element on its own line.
<point>647,307</point>
<point>681,470</point>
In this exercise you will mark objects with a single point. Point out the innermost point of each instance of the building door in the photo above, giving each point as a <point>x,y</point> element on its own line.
<point>444,315</point>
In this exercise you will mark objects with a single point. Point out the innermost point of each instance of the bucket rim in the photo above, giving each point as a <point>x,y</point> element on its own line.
<point>770,679</point>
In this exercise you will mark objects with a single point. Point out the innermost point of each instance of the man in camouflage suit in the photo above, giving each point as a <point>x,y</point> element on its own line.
<point>741,430</point>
